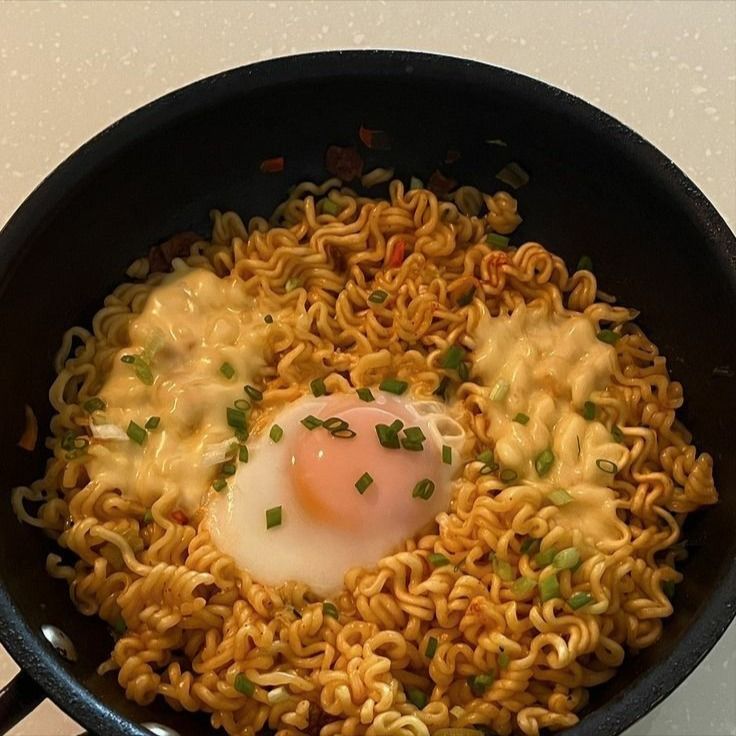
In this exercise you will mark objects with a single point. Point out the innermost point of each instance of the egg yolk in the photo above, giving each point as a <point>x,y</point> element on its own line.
<point>324,469</point>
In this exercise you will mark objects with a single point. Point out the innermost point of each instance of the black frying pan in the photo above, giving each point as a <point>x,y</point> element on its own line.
<point>596,188</point>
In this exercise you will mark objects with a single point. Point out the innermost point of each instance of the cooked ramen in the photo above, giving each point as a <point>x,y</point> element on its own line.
<point>367,467</point>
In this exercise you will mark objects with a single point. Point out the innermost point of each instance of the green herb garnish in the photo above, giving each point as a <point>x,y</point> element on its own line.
<point>136,433</point>
<point>273,517</point>
<point>363,482</point>
<point>393,386</point>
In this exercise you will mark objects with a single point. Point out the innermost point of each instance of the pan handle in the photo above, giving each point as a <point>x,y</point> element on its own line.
<point>17,699</point>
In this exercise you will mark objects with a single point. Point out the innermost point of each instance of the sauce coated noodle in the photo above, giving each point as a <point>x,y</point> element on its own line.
<point>509,634</point>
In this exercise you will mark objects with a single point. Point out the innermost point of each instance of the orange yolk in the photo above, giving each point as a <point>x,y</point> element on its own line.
<point>324,469</point>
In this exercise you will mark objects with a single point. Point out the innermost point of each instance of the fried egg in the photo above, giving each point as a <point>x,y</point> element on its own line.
<point>327,523</point>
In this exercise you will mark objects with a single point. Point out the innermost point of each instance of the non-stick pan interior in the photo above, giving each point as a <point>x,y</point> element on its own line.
<point>594,189</point>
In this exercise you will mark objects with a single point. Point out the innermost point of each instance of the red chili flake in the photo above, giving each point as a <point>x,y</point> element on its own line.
<point>344,163</point>
<point>177,246</point>
<point>179,517</point>
<point>397,257</point>
<point>452,156</point>
<point>440,184</point>
<point>29,437</point>
<point>376,140</point>
<point>272,165</point>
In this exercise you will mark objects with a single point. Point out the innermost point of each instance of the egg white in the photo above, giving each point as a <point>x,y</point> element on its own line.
<point>304,548</point>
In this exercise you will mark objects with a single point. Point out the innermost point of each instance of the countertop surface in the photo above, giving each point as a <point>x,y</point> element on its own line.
<point>666,69</point>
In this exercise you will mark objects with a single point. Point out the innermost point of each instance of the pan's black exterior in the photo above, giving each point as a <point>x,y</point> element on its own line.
<point>596,188</point>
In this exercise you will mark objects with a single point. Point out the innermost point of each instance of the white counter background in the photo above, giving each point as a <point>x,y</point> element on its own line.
<point>667,69</point>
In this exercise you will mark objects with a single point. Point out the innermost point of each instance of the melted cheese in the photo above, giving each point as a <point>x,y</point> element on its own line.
<point>547,366</point>
<point>196,322</point>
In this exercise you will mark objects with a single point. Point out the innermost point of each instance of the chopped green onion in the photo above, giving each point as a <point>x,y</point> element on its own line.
<point>273,517</point>
<point>559,497</point>
<point>414,434</point>
<point>480,683</point>
<point>549,588</point>
<point>227,370</point>
<point>508,475</point>
<point>393,386</point>
<point>447,454</point>
<point>93,404</point>
<point>466,298</point>
<point>241,435</point>
<point>243,454</point>
<point>334,424</point>
<point>412,446</point>
<point>379,296</point>
<point>566,558</point>
<point>119,625</point>
<point>431,649</point>
<point>136,433</point>
<point>463,371</point>
<point>330,207</point>
<point>486,457</point>
<point>148,516</point>
<point>503,569</point>
<point>578,600</point>
<point>388,437</point>
<point>228,469</point>
<point>608,336</point>
<point>452,357</point>
<point>589,410</point>
<point>416,697</point>
<point>503,660</point>
<point>668,588</point>
<point>545,558</point>
<point>344,433</point>
<point>318,387</point>
<point>268,319</point>
<point>529,546</point>
<point>415,183</point>
<point>543,462</point>
<point>311,422</point>
<point>220,484</point>
<point>365,394</point>
<point>330,609</point>
<point>436,559</point>
<point>291,284</point>
<point>241,404</point>
<point>513,175</point>
<point>617,434</point>
<point>153,422</point>
<point>142,369</point>
<point>424,489</point>
<point>442,387</point>
<point>500,390</point>
<point>71,441</point>
<point>253,393</point>
<point>497,242</point>
<point>276,433</point>
<point>585,264</point>
<point>397,425</point>
<point>243,685</point>
<point>523,586</point>
<point>236,418</point>
<point>521,418</point>
<point>607,466</point>
<point>363,482</point>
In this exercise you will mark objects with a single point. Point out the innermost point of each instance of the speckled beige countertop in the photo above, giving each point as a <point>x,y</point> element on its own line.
<point>667,69</point>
